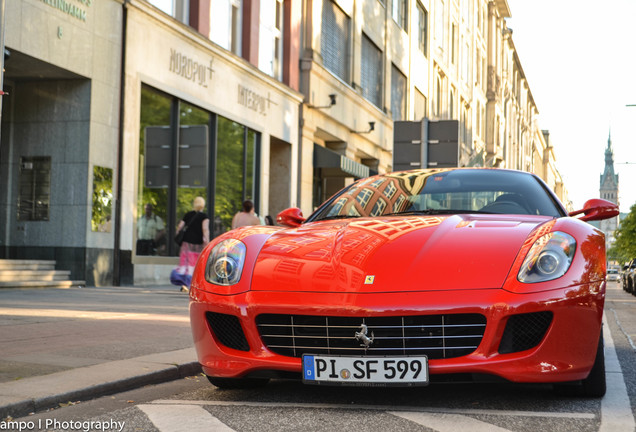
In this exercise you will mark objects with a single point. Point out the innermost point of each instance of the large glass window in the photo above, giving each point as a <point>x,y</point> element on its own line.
<point>155,167</point>
<point>419,106</point>
<point>179,9</point>
<point>453,41</point>
<point>229,178</point>
<point>180,146</point>
<point>437,104</point>
<point>270,51</point>
<point>334,40</point>
<point>192,174</point>
<point>228,24</point>
<point>398,94</point>
<point>399,13</point>
<point>371,72</point>
<point>466,58</point>
<point>422,28</point>
<point>439,23</point>
<point>237,176</point>
<point>236,26</point>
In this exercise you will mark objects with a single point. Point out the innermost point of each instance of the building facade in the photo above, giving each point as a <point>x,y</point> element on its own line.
<point>205,115</point>
<point>116,107</point>
<point>60,133</point>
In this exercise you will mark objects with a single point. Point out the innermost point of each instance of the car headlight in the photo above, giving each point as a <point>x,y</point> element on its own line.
<point>549,258</point>
<point>225,262</point>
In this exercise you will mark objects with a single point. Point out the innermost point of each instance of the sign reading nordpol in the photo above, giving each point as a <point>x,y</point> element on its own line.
<point>191,69</point>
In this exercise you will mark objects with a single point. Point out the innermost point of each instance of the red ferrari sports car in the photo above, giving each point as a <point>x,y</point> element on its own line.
<point>406,277</point>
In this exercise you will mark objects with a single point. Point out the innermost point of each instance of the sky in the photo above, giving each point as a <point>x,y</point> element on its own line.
<point>579,57</point>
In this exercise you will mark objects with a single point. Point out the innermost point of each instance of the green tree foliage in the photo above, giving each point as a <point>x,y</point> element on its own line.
<point>624,249</point>
<point>102,198</point>
<point>229,177</point>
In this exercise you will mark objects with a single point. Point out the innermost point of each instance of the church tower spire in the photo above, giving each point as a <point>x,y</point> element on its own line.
<point>609,191</point>
<point>609,179</point>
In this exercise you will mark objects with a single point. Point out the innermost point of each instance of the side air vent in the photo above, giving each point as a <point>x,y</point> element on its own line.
<point>228,330</point>
<point>524,331</point>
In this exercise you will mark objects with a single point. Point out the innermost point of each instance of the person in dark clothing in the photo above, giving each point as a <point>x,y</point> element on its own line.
<point>150,231</point>
<point>196,237</point>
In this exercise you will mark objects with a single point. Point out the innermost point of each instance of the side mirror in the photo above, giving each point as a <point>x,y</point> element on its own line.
<point>597,209</point>
<point>291,217</point>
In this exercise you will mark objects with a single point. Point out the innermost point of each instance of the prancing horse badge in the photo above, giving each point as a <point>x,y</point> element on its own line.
<point>369,280</point>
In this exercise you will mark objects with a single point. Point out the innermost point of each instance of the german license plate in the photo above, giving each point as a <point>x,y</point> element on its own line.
<point>381,371</point>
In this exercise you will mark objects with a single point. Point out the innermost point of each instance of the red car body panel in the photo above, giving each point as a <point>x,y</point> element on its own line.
<point>336,256</point>
<point>420,265</point>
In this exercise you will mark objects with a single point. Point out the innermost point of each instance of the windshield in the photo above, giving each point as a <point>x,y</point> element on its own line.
<point>442,192</point>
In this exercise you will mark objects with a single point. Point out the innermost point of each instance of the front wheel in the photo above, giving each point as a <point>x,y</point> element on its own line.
<point>594,385</point>
<point>237,383</point>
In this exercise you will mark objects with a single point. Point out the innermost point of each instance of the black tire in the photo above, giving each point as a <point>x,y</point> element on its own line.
<point>594,386</point>
<point>237,383</point>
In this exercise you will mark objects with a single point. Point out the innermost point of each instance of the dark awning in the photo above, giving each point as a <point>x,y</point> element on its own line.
<point>337,165</point>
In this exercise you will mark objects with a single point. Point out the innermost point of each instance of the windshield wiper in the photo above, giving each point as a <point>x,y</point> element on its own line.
<point>336,217</point>
<point>434,212</point>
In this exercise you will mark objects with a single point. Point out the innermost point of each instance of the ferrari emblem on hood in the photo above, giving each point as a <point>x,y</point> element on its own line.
<point>369,280</point>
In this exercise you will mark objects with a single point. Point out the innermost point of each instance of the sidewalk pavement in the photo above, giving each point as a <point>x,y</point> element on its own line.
<point>62,345</point>
<point>168,361</point>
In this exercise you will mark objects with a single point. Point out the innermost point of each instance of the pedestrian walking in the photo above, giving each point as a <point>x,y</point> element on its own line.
<point>246,217</point>
<point>193,234</point>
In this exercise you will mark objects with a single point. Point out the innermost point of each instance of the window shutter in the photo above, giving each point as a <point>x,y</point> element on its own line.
<point>371,73</point>
<point>335,40</point>
<point>398,94</point>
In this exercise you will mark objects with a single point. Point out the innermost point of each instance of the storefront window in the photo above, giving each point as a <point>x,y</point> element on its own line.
<point>174,168</point>
<point>155,164</point>
<point>236,172</point>
<point>251,165</point>
<point>194,136</point>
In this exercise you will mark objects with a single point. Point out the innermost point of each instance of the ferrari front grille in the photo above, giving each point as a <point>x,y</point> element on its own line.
<point>228,330</point>
<point>437,336</point>
<point>524,331</point>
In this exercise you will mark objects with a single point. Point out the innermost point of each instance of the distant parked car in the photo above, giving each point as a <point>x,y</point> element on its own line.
<point>631,277</point>
<point>613,275</point>
<point>627,276</point>
<point>622,276</point>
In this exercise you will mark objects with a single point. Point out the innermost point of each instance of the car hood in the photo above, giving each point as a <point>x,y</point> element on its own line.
<point>420,253</point>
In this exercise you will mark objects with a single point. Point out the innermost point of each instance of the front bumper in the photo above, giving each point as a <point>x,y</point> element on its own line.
<point>565,353</point>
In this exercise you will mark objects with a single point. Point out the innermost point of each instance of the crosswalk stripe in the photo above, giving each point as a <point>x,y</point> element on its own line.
<point>183,418</point>
<point>448,422</point>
